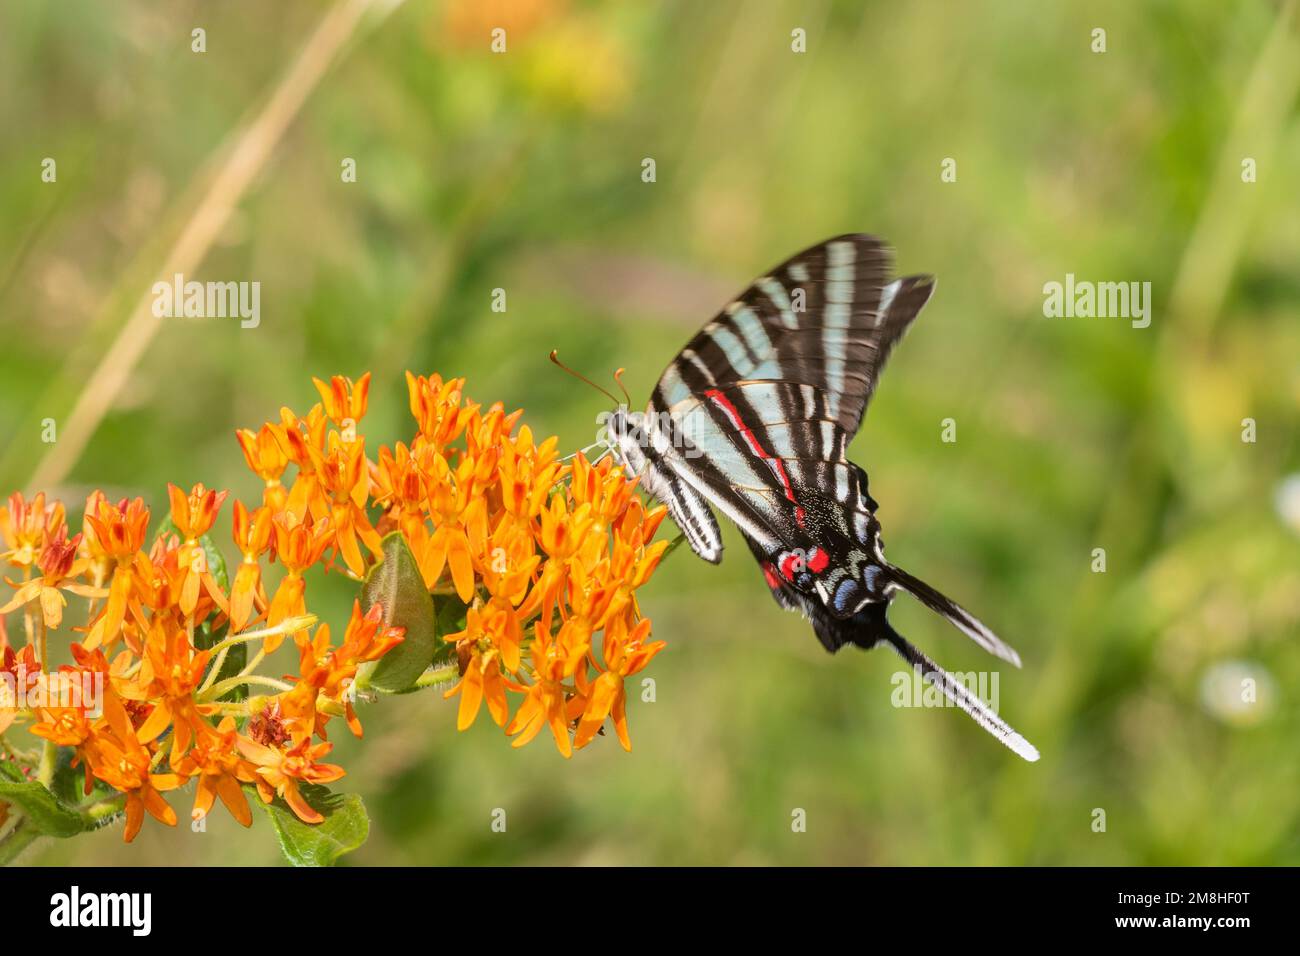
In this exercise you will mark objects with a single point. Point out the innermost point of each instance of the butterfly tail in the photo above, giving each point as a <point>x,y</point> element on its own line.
<point>957,615</point>
<point>959,694</point>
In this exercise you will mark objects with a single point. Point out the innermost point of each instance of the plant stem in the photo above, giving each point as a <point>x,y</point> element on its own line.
<point>20,836</point>
<point>230,684</point>
<point>252,665</point>
<point>289,626</point>
<point>438,675</point>
<point>27,610</point>
<point>163,750</point>
<point>215,668</point>
<point>45,773</point>
<point>103,810</point>
<point>673,546</point>
<point>233,709</point>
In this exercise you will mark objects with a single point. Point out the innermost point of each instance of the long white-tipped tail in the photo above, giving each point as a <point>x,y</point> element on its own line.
<point>958,616</point>
<point>957,692</point>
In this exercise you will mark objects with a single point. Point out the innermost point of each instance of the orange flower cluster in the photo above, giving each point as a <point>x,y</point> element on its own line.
<point>541,558</point>
<point>545,556</point>
<point>154,715</point>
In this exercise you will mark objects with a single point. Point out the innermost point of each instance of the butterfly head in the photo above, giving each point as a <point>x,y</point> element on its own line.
<point>625,437</point>
<point>622,432</point>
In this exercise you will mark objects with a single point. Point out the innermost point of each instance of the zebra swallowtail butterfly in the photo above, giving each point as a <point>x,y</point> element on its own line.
<point>753,418</point>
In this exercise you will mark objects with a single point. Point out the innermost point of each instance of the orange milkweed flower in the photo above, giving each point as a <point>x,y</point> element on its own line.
<point>158,596</point>
<point>299,545</point>
<point>57,563</point>
<point>489,634</point>
<point>345,403</point>
<point>299,436</point>
<point>215,761</point>
<point>26,526</point>
<point>193,515</point>
<point>519,545</point>
<point>625,653</point>
<point>544,558</point>
<point>327,672</point>
<point>547,702</point>
<point>252,532</point>
<point>121,761</point>
<point>20,669</point>
<point>435,406</point>
<point>64,726</point>
<point>169,675</point>
<point>366,639</point>
<point>99,563</point>
<point>126,768</point>
<point>281,772</point>
<point>398,483</point>
<point>344,480</point>
<point>120,531</point>
<point>264,453</point>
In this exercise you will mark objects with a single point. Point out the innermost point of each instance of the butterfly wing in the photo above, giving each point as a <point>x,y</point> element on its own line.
<point>827,318</point>
<point>769,457</point>
<point>767,454</point>
<point>756,412</point>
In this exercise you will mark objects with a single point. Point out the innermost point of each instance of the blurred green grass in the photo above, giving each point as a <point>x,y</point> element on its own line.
<point>522,172</point>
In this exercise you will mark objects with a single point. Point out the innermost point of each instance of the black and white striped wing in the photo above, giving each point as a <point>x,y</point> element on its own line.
<point>827,318</point>
<point>761,404</point>
<point>769,455</point>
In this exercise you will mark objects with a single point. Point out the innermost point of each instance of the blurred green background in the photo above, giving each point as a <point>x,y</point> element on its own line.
<point>522,171</point>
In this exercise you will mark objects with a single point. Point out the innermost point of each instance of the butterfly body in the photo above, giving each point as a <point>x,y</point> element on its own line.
<point>753,418</point>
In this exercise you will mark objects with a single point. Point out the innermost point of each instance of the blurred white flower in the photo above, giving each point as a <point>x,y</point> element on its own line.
<point>1287,500</point>
<point>1239,693</point>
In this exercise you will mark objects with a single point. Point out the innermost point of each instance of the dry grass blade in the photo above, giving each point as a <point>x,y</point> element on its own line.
<point>236,164</point>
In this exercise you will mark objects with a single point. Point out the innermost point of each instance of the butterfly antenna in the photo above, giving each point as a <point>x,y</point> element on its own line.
<point>581,377</point>
<point>583,451</point>
<point>618,377</point>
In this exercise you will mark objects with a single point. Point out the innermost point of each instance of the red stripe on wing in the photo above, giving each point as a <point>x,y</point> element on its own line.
<point>776,464</point>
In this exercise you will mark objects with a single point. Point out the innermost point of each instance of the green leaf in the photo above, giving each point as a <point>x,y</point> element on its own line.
<point>346,826</point>
<point>216,562</point>
<point>69,783</point>
<point>395,583</point>
<point>42,811</point>
<point>12,771</point>
<point>451,618</point>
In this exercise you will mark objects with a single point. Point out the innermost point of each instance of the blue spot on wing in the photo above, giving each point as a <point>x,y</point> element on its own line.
<point>847,597</point>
